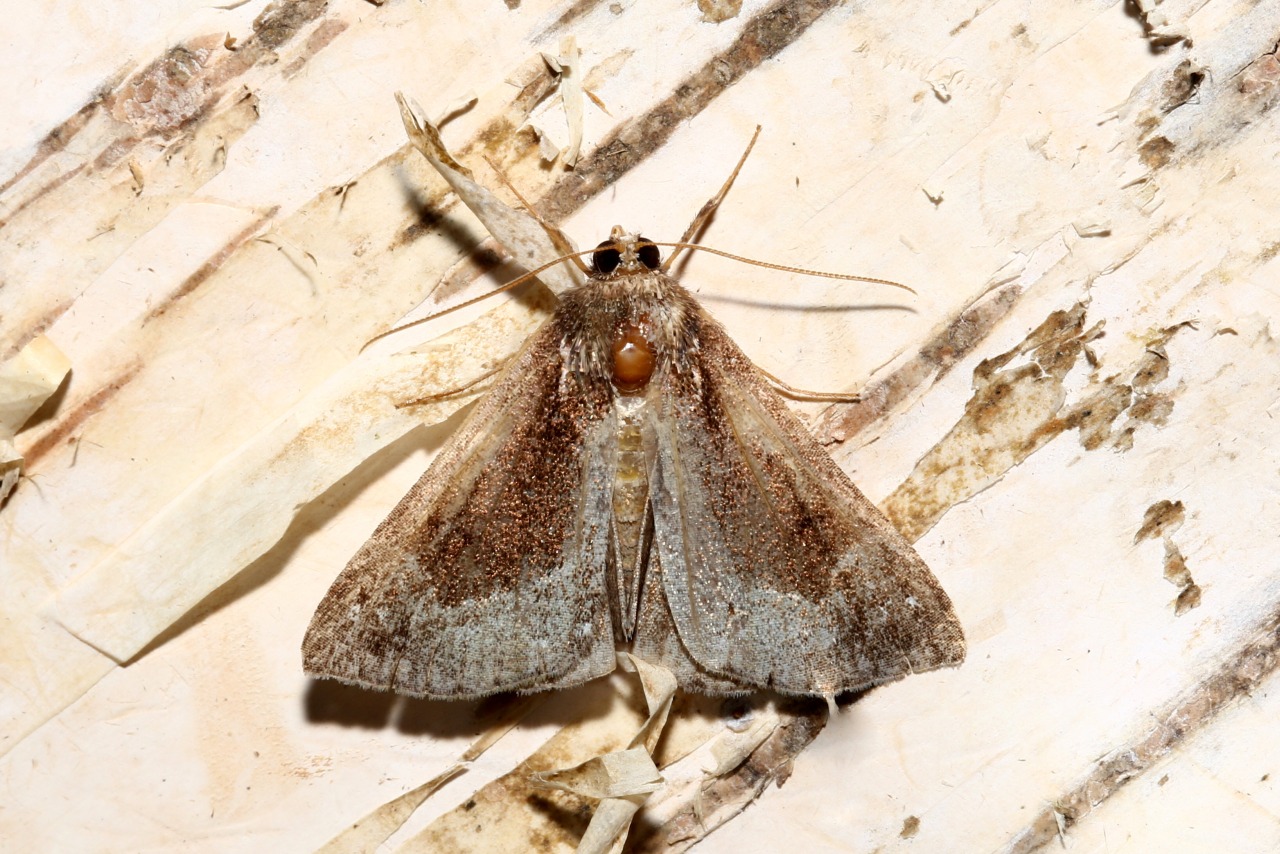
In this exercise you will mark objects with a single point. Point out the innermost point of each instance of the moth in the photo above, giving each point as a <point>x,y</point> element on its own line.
<point>632,480</point>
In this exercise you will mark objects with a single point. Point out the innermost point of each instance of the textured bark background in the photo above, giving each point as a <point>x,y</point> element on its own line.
<point>210,209</point>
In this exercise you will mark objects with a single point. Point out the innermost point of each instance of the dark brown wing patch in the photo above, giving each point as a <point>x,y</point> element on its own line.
<point>489,574</point>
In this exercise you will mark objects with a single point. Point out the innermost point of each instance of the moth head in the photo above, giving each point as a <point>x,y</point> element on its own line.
<point>625,252</point>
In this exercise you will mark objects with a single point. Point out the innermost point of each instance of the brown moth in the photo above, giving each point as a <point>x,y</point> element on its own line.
<point>632,479</point>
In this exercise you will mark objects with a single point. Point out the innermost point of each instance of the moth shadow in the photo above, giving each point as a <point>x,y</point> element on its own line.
<point>309,518</point>
<point>332,702</point>
<point>329,702</point>
<point>567,812</point>
<point>793,305</point>
<point>481,257</point>
<point>736,712</point>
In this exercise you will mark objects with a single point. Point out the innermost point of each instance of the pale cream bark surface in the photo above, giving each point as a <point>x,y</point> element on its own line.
<point>1080,403</point>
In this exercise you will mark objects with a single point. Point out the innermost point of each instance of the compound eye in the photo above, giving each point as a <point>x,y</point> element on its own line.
<point>606,258</point>
<point>650,255</point>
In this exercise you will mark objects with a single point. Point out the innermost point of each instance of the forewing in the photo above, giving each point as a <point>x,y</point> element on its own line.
<point>777,572</point>
<point>489,574</point>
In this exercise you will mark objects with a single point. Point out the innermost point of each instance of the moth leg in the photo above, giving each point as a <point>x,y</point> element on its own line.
<point>454,392</point>
<point>804,394</point>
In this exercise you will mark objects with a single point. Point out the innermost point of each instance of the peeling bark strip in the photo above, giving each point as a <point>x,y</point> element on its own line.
<point>766,35</point>
<point>723,798</point>
<point>934,360</point>
<point>1239,676</point>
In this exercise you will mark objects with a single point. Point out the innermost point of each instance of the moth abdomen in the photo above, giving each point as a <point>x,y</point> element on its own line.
<point>630,504</point>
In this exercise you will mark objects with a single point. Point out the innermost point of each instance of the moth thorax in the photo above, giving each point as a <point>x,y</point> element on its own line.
<point>632,359</point>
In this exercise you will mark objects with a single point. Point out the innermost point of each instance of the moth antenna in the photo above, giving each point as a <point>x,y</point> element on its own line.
<point>520,280</point>
<point>848,277</point>
<point>806,394</point>
<point>453,392</point>
<point>710,207</point>
<point>558,237</point>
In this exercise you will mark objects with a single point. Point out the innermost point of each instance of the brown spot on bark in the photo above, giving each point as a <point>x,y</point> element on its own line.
<point>1260,80</point>
<point>1189,598</point>
<point>501,140</point>
<point>1096,415</point>
<point>170,92</point>
<point>1183,84</point>
<point>1018,408</point>
<point>1153,368</point>
<point>280,22</point>
<point>1175,566</point>
<point>1153,409</point>
<point>719,11</point>
<point>1161,519</point>
<point>1156,152</point>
